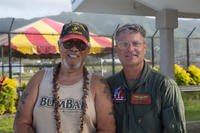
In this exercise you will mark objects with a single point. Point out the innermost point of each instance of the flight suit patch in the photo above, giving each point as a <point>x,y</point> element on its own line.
<point>119,94</point>
<point>140,98</point>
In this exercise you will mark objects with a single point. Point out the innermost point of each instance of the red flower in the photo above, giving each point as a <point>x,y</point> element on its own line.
<point>1,82</point>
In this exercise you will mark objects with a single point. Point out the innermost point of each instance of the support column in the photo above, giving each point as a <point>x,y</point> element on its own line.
<point>166,22</point>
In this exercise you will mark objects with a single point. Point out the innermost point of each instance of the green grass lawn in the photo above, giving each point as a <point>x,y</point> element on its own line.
<point>6,124</point>
<point>192,106</point>
<point>192,110</point>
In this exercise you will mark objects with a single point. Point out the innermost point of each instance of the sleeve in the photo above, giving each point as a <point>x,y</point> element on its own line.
<point>173,111</point>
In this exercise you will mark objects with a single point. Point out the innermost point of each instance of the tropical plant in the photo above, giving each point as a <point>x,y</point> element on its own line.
<point>195,73</point>
<point>8,95</point>
<point>182,77</point>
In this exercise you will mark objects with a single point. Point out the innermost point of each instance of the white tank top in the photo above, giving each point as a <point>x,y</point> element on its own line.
<point>70,109</point>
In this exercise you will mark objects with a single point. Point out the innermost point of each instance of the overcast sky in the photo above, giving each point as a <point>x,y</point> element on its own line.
<point>32,8</point>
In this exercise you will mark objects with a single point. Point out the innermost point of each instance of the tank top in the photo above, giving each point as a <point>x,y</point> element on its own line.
<point>70,107</point>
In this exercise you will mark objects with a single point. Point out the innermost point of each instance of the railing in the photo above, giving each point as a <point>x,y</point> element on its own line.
<point>190,88</point>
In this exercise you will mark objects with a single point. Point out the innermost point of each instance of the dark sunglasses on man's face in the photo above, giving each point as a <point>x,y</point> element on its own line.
<point>80,45</point>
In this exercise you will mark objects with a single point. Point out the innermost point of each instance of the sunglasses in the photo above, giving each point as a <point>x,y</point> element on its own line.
<point>132,27</point>
<point>80,45</point>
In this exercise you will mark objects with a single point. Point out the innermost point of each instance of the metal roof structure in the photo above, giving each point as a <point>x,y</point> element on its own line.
<point>185,8</point>
<point>166,13</point>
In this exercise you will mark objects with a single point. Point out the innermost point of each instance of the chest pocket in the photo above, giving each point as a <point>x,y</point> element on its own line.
<point>147,116</point>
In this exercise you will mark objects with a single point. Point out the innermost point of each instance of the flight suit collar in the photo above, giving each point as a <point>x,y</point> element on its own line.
<point>143,77</point>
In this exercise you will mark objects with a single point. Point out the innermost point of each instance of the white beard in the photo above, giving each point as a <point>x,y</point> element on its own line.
<point>68,66</point>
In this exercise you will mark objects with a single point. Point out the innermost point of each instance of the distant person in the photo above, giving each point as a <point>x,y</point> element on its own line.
<point>145,101</point>
<point>66,98</point>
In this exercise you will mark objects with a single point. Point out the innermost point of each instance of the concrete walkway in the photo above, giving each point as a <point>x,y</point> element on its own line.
<point>193,127</point>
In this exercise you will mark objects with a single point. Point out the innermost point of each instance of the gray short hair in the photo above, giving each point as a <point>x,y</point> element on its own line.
<point>132,28</point>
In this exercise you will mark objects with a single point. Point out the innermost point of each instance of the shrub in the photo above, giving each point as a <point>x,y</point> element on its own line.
<point>8,95</point>
<point>195,73</point>
<point>2,109</point>
<point>190,76</point>
<point>182,77</point>
<point>156,68</point>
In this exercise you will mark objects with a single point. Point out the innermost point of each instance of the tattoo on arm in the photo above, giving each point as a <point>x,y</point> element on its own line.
<point>22,101</point>
<point>19,108</point>
<point>18,113</point>
<point>23,97</point>
<point>106,89</point>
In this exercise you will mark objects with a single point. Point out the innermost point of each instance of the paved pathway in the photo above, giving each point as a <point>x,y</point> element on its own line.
<point>193,127</point>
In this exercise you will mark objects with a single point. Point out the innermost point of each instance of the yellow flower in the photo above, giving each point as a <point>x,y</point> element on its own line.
<point>12,83</point>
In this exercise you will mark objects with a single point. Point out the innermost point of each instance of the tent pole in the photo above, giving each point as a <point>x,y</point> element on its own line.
<point>113,57</point>
<point>113,51</point>
<point>152,47</point>
<point>9,49</point>
<point>20,71</point>
<point>188,46</point>
<point>2,60</point>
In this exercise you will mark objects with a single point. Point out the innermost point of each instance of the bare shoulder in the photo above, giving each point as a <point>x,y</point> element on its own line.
<point>98,80</point>
<point>34,83</point>
<point>36,79</point>
<point>99,85</point>
<point>38,75</point>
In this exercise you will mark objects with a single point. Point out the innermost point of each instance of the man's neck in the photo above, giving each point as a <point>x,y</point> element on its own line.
<point>70,76</point>
<point>133,72</point>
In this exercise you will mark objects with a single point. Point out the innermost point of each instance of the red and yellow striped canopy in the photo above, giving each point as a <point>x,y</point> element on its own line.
<point>41,38</point>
